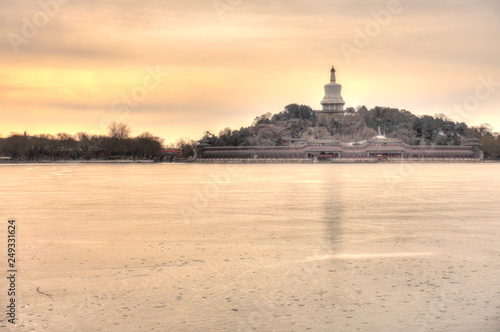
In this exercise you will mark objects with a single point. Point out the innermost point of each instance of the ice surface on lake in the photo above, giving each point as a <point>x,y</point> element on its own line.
<point>187,247</point>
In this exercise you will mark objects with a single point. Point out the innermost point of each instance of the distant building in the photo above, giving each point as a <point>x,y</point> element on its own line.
<point>448,127</point>
<point>333,103</point>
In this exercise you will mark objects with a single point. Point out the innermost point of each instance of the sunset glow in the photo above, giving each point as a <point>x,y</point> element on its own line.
<point>68,66</point>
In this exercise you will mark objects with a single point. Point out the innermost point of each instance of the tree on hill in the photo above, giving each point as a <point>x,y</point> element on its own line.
<point>387,118</point>
<point>490,141</point>
<point>262,119</point>
<point>294,111</point>
<point>351,128</point>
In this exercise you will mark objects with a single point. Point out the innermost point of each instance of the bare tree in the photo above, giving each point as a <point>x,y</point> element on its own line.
<point>16,145</point>
<point>442,116</point>
<point>187,146</point>
<point>148,145</point>
<point>84,143</point>
<point>67,145</point>
<point>119,130</point>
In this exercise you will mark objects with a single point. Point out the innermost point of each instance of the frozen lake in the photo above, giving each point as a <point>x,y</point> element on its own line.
<point>196,247</point>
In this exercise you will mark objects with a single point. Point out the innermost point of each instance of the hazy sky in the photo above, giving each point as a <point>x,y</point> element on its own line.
<point>178,68</point>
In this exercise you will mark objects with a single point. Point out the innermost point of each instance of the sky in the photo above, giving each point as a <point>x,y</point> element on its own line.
<point>180,68</point>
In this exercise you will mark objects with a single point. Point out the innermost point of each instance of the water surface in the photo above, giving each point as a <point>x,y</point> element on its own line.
<point>187,247</point>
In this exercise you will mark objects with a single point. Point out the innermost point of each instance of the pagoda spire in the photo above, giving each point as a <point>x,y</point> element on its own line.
<point>332,75</point>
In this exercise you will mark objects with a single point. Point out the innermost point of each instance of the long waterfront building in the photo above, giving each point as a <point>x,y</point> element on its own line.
<point>377,148</point>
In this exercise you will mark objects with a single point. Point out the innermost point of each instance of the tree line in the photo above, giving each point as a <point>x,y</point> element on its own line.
<point>295,121</point>
<point>118,144</point>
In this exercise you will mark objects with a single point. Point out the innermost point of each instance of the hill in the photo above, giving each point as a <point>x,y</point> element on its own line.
<point>298,122</point>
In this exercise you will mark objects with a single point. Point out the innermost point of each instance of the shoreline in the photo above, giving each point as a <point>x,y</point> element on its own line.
<point>7,162</point>
<point>339,161</point>
<point>255,161</point>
